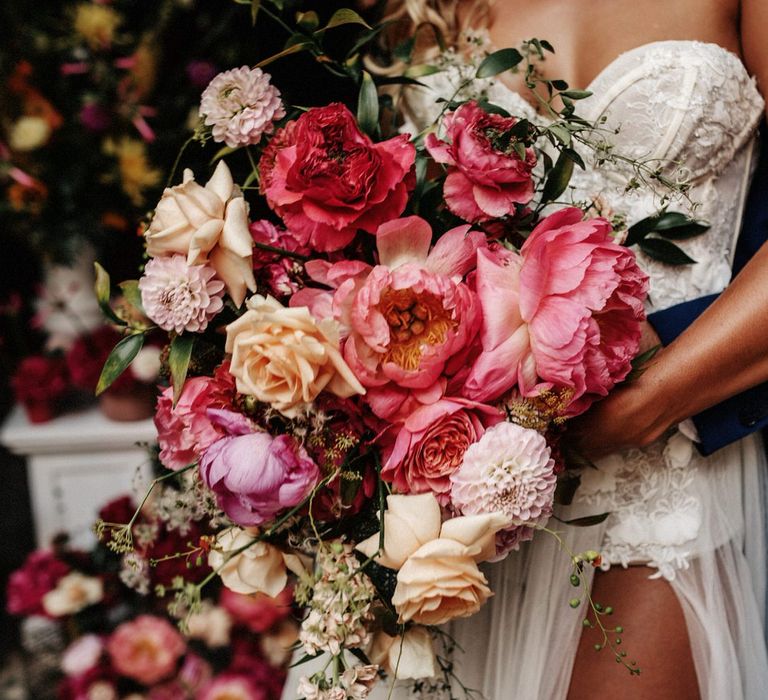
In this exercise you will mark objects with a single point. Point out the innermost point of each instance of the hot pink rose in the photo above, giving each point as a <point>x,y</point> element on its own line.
<point>255,475</point>
<point>259,612</point>
<point>565,313</point>
<point>39,575</point>
<point>410,319</point>
<point>430,444</point>
<point>486,176</point>
<point>185,431</point>
<point>146,649</point>
<point>327,179</point>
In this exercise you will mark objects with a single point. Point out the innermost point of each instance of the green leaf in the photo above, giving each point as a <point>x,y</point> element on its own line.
<point>255,7</point>
<point>296,48</point>
<point>304,659</point>
<point>575,157</point>
<point>559,84</point>
<point>587,520</point>
<point>308,20</point>
<point>103,290</point>
<point>178,360</point>
<point>664,251</point>
<point>368,105</point>
<point>498,62</point>
<point>557,179</point>
<point>365,39</point>
<point>121,356</point>
<point>670,224</point>
<point>344,16</point>
<point>132,294</point>
<point>576,94</point>
<point>420,71</point>
<point>566,487</point>
<point>639,362</point>
<point>561,133</point>
<point>222,153</point>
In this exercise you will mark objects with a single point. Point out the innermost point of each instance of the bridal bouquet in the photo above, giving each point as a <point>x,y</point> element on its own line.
<point>369,383</point>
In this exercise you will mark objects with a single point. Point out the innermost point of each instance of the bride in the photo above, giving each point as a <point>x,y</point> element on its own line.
<point>683,551</point>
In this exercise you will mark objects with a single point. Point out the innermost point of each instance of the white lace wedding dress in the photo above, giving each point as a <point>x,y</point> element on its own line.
<point>698,522</point>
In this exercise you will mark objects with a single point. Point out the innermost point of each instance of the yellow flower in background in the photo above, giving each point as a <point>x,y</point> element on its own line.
<point>144,70</point>
<point>136,172</point>
<point>96,24</point>
<point>29,133</point>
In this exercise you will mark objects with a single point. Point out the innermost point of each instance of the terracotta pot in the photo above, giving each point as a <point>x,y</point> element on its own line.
<point>136,405</point>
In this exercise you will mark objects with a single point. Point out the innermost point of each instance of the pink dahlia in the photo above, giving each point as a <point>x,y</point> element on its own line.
<point>327,179</point>
<point>564,314</point>
<point>241,105</point>
<point>486,175</point>
<point>508,470</point>
<point>180,297</point>
<point>426,449</point>
<point>146,649</point>
<point>410,319</point>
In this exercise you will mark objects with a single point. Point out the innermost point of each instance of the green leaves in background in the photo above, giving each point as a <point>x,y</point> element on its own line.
<point>368,105</point>
<point>178,361</point>
<point>498,62</point>
<point>103,290</point>
<point>653,235</point>
<point>121,356</point>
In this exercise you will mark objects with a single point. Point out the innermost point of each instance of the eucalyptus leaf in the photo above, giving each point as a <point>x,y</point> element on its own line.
<point>368,105</point>
<point>576,94</point>
<point>664,251</point>
<point>121,356</point>
<point>103,291</point>
<point>132,293</point>
<point>557,178</point>
<point>559,84</point>
<point>178,361</point>
<point>498,62</point>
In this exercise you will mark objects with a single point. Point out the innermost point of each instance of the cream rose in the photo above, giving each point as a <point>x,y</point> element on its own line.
<point>73,593</point>
<point>259,568</point>
<point>29,133</point>
<point>211,624</point>
<point>438,578</point>
<point>408,656</point>
<point>285,358</point>
<point>209,225</point>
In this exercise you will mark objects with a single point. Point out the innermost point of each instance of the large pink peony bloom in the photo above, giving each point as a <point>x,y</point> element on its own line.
<point>146,649</point>
<point>186,430</point>
<point>255,475</point>
<point>430,444</point>
<point>410,319</point>
<point>564,314</point>
<point>327,179</point>
<point>486,176</point>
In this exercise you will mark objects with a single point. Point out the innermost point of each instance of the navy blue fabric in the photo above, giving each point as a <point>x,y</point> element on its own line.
<point>746,412</point>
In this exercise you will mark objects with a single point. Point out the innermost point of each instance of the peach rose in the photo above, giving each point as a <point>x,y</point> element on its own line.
<point>209,225</point>
<point>260,568</point>
<point>438,577</point>
<point>72,594</point>
<point>285,358</point>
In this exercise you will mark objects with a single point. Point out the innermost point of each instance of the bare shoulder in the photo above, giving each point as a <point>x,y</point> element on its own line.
<point>754,40</point>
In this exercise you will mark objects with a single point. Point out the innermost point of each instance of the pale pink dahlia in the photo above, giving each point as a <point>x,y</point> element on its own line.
<point>180,297</point>
<point>508,470</point>
<point>241,105</point>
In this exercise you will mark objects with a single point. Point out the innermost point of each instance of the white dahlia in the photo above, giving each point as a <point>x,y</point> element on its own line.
<point>509,470</point>
<point>180,297</point>
<point>241,105</point>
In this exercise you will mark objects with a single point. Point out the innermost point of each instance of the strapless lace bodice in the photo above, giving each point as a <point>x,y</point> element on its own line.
<point>691,109</point>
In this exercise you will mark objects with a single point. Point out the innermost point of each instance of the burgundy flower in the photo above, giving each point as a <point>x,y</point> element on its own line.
<point>40,383</point>
<point>27,586</point>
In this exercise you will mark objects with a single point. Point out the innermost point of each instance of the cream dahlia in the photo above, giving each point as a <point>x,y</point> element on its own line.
<point>508,470</point>
<point>241,105</point>
<point>180,297</point>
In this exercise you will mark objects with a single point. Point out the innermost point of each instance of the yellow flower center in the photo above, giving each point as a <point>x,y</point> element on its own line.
<point>415,321</point>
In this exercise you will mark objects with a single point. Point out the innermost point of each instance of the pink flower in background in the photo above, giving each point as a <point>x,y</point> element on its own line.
<point>82,655</point>
<point>232,686</point>
<point>326,179</point>
<point>241,105</point>
<point>259,612</point>
<point>486,176</point>
<point>180,297</point>
<point>200,73</point>
<point>423,452</point>
<point>194,673</point>
<point>39,575</point>
<point>410,318</point>
<point>146,649</point>
<point>508,470</point>
<point>565,313</point>
<point>255,475</point>
<point>185,431</point>
<point>95,117</point>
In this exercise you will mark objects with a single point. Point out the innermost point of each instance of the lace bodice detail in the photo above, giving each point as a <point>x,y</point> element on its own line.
<point>691,109</point>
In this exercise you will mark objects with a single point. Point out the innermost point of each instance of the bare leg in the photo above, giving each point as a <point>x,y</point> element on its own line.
<point>654,633</point>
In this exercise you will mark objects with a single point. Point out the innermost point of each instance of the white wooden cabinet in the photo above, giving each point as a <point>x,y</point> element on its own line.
<point>76,463</point>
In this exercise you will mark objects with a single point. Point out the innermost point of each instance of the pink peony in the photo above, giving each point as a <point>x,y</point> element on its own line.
<point>39,575</point>
<point>327,179</point>
<point>185,431</point>
<point>82,655</point>
<point>180,297</point>
<point>232,686</point>
<point>564,314</point>
<point>259,612</point>
<point>241,106</point>
<point>430,444</point>
<point>255,475</point>
<point>510,470</point>
<point>410,319</point>
<point>486,176</point>
<point>145,649</point>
